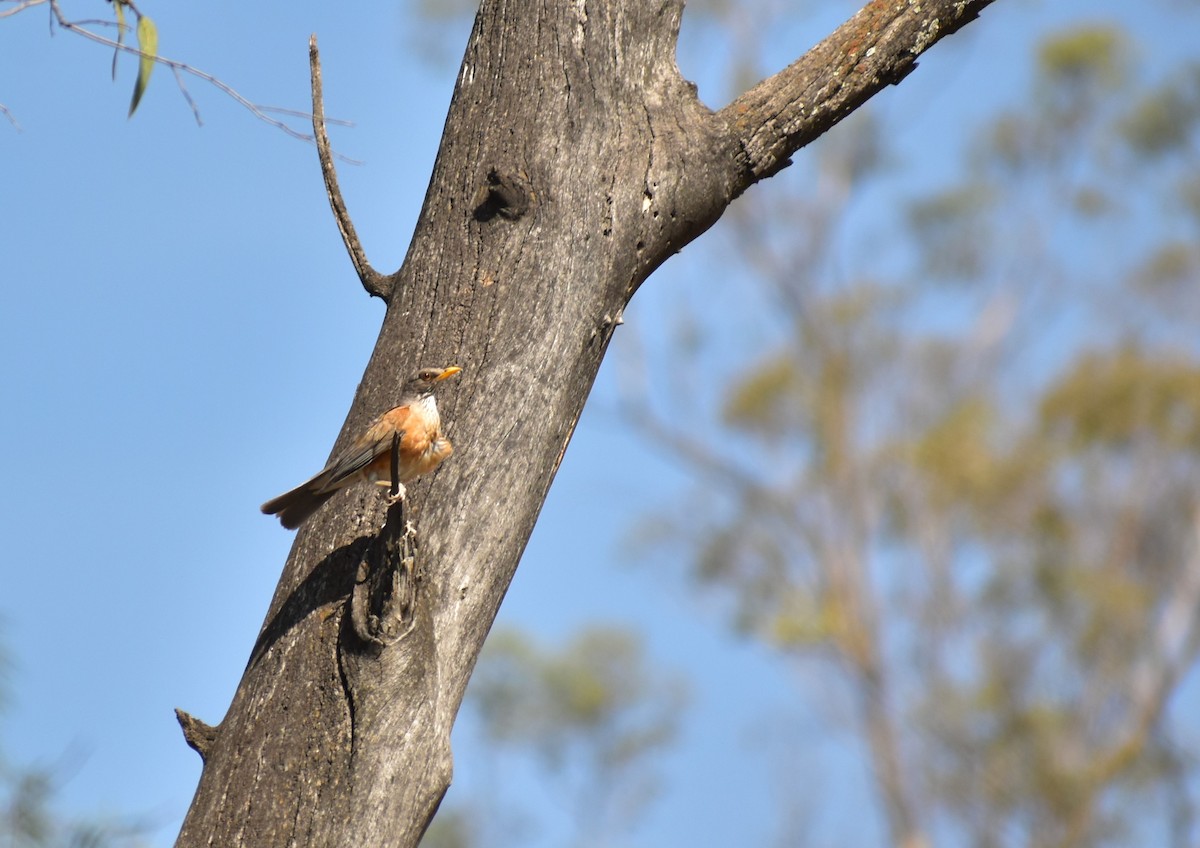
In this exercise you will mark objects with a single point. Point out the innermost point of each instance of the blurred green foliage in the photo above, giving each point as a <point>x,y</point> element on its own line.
<point>971,478</point>
<point>594,713</point>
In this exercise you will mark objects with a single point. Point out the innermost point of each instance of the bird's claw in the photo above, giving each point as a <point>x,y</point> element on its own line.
<point>397,496</point>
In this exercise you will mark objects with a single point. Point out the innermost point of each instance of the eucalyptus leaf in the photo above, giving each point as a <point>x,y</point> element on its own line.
<point>147,35</point>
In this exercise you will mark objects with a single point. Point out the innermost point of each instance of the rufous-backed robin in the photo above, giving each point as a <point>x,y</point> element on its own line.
<point>369,459</point>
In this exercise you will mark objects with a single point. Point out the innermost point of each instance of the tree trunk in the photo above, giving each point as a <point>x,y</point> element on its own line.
<point>575,160</point>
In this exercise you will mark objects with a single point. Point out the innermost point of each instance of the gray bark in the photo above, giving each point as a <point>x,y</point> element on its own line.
<point>575,160</point>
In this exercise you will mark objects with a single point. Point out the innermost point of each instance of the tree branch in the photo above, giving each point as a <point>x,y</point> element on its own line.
<point>79,27</point>
<point>200,736</point>
<point>4,110</point>
<point>877,47</point>
<point>375,283</point>
<point>20,7</point>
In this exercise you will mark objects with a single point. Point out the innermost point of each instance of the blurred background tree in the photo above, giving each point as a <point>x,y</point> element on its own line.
<point>961,489</point>
<point>587,719</point>
<point>29,817</point>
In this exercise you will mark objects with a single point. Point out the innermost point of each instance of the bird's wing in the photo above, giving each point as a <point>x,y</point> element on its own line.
<point>377,440</point>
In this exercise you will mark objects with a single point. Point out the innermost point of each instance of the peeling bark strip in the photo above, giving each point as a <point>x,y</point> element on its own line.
<point>385,588</point>
<point>597,162</point>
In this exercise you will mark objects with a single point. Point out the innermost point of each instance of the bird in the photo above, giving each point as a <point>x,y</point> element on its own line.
<point>369,459</point>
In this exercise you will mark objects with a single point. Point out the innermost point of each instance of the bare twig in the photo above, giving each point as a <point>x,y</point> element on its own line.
<point>20,7</point>
<point>6,113</point>
<point>375,283</point>
<point>254,108</point>
<point>296,113</point>
<point>187,96</point>
<point>80,27</point>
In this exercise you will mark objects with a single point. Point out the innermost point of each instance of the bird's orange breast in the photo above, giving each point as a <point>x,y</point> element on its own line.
<point>422,446</point>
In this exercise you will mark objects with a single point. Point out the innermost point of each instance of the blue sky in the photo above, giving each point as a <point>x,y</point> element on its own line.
<point>181,335</point>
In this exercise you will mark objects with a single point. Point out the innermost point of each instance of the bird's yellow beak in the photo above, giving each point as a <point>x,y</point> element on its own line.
<point>449,372</point>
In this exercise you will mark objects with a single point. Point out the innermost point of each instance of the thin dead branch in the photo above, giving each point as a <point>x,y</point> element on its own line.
<point>4,110</point>
<point>375,283</point>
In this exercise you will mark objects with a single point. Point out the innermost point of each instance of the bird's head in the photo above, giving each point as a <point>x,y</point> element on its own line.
<point>423,382</point>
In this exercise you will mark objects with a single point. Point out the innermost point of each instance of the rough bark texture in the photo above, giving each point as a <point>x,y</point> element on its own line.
<point>575,160</point>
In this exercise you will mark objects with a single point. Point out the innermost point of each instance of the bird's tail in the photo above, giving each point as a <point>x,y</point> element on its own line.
<point>295,506</point>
